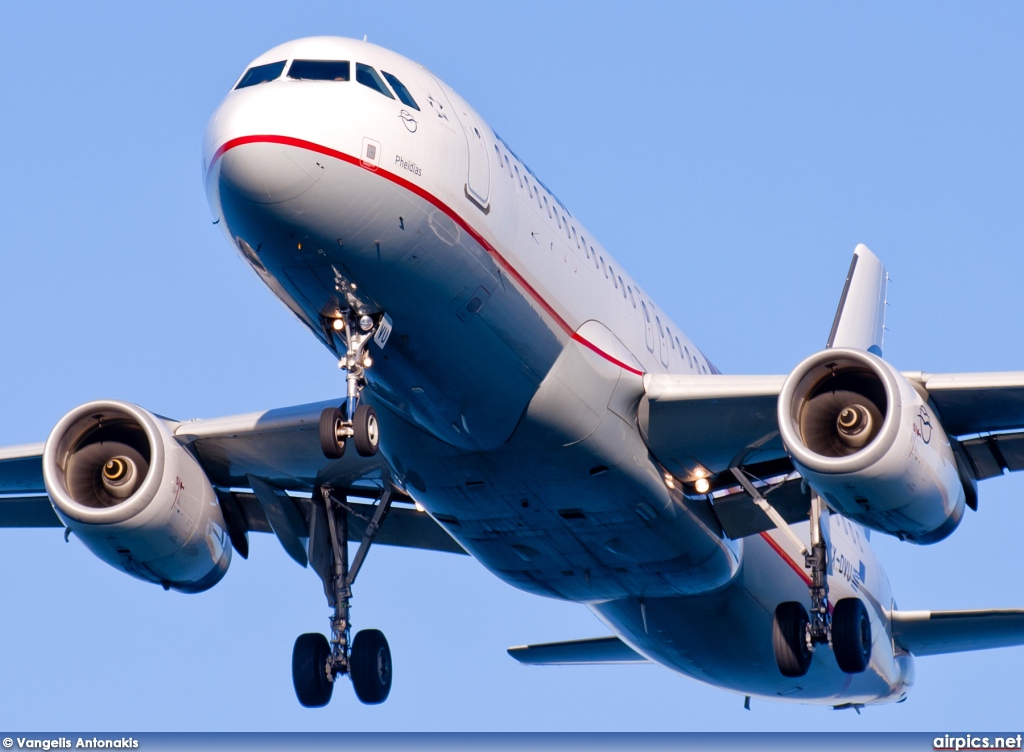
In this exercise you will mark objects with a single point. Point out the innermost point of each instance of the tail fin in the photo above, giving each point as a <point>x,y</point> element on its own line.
<point>860,318</point>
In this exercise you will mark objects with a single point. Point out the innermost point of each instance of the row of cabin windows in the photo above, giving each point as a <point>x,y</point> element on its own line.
<point>599,262</point>
<point>329,70</point>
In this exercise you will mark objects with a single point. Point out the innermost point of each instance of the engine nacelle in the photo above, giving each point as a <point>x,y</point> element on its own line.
<point>867,442</point>
<point>125,486</point>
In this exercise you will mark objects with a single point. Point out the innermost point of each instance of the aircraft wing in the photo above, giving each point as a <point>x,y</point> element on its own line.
<point>277,450</point>
<point>716,422</point>
<point>23,499</point>
<point>938,632</point>
<point>719,422</point>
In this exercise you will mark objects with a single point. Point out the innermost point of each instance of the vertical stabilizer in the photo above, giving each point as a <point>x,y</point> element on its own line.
<point>860,318</point>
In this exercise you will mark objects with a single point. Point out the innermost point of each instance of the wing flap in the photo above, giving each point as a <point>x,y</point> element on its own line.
<point>595,650</point>
<point>938,632</point>
<point>740,517</point>
<point>28,511</point>
<point>992,455</point>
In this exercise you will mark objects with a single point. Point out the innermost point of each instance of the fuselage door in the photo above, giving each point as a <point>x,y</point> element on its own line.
<point>663,350</point>
<point>478,181</point>
<point>648,326</point>
<point>478,178</point>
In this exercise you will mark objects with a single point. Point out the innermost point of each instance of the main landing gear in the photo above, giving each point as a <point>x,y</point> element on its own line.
<point>317,662</point>
<point>845,627</point>
<point>354,420</point>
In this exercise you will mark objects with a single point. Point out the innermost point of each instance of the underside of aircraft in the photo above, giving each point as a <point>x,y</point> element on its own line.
<point>512,394</point>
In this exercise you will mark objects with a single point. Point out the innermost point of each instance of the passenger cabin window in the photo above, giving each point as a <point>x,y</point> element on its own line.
<point>319,70</point>
<point>368,77</point>
<point>260,74</point>
<point>401,91</point>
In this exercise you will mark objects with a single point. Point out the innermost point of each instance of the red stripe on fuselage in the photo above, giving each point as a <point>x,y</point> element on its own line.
<point>430,198</point>
<point>605,355</point>
<point>785,557</point>
<point>793,565</point>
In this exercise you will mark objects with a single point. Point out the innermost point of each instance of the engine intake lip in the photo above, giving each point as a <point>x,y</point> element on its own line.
<point>802,382</point>
<point>72,432</point>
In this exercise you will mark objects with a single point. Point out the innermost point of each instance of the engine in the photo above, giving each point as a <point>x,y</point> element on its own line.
<point>137,499</point>
<point>868,443</point>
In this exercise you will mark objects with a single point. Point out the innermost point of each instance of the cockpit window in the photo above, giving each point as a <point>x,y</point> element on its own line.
<point>319,70</point>
<point>260,74</point>
<point>401,91</point>
<point>367,76</point>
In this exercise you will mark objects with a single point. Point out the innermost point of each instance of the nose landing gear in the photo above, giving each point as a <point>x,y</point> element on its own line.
<point>354,420</point>
<point>317,662</point>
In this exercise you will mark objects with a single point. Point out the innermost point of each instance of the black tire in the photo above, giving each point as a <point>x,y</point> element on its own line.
<point>309,670</point>
<point>366,431</point>
<point>370,666</point>
<point>789,639</point>
<point>851,635</point>
<point>330,419</point>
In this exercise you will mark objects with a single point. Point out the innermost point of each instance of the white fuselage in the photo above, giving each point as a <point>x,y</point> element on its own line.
<point>507,391</point>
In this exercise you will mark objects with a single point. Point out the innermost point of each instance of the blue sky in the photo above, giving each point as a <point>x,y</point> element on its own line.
<point>730,155</point>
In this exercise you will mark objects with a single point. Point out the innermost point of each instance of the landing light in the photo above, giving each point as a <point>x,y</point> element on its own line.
<point>366,323</point>
<point>702,485</point>
<point>339,324</point>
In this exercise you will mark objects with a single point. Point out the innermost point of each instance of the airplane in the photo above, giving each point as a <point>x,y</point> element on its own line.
<point>512,393</point>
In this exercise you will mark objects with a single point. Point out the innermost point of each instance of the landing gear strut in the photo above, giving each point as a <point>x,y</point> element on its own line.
<point>354,420</point>
<point>845,627</point>
<point>317,662</point>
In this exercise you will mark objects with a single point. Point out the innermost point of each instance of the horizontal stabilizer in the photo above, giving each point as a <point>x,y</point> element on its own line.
<point>938,632</point>
<point>596,650</point>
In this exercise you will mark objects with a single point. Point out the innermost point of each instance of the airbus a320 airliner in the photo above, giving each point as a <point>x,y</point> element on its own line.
<point>512,393</point>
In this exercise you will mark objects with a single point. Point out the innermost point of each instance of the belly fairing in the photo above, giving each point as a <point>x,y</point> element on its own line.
<point>571,506</point>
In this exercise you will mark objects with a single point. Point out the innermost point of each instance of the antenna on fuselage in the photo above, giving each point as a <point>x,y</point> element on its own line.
<point>364,37</point>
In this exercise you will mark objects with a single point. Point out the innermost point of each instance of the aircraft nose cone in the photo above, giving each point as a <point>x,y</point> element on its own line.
<point>269,173</point>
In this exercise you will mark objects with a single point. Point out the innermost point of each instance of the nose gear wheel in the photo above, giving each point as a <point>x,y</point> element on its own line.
<point>353,420</point>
